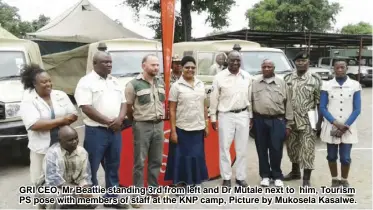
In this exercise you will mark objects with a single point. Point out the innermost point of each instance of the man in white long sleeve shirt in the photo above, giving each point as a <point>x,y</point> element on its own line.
<point>231,99</point>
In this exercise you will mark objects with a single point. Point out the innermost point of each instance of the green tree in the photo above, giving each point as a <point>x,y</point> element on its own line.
<point>293,15</point>
<point>9,17</point>
<point>359,28</point>
<point>155,24</point>
<point>11,21</point>
<point>40,22</point>
<point>217,14</point>
<point>215,32</point>
<point>263,15</point>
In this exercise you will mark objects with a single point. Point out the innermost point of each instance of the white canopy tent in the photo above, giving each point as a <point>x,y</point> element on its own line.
<point>6,34</point>
<point>82,23</point>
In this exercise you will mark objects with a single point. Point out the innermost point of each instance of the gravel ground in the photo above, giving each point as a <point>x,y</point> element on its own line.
<point>12,176</point>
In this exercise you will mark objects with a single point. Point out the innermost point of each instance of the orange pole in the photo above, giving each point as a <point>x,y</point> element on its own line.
<point>168,30</point>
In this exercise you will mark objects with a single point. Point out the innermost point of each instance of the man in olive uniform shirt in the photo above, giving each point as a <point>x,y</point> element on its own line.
<point>145,96</point>
<point>305,96</point>
<point>273,118</point>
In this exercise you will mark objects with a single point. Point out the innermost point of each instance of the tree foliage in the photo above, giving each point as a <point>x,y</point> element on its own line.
<point>293,15</point>
<point>217,11</point>
<point>11,21</point>
<point>216,32</point>
<point>359,28</point>
<point>154,24</point>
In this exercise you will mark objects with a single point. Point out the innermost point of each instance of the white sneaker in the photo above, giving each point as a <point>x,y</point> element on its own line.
<point>265,182</point>
<point>279,183</point>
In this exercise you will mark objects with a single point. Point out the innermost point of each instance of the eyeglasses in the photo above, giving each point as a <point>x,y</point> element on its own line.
<point>190,67</point>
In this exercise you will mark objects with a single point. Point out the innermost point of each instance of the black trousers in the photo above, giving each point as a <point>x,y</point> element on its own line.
<point>269,138</point>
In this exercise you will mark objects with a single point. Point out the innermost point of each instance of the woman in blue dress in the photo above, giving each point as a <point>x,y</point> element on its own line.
<point>186,163</point>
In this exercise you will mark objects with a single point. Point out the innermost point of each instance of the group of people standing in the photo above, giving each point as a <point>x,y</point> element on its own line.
<point>277,108</point>
<point>56,158</point>
<point>284,110</point>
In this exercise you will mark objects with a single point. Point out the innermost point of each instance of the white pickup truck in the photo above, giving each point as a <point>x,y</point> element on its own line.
<point>324,73</point>
<point>14,53</point>
<point>353,68</point>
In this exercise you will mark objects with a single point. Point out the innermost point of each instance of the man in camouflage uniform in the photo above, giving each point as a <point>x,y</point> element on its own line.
<point>305,96</point>
<point>176,70</point>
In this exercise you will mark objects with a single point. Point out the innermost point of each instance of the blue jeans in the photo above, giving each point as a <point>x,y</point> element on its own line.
<point>344,153</point>
<point>103,145</point>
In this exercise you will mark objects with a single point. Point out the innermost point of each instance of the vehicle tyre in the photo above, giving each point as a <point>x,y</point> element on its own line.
<point>24,159</point>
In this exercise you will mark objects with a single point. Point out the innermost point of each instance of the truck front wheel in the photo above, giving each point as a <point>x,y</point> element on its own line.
<point>24,157</point>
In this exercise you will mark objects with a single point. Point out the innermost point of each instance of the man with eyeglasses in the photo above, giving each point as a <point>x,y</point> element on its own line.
<point>305,98</point>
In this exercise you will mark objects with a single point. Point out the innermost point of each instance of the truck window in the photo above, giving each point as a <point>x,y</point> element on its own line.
<point>352,63</point>
<point>204,62</point>
<point>188,53</point>
<point>129,62</point>
<point>325,61</point>
<point>252,61</point>
<point>11,62</point>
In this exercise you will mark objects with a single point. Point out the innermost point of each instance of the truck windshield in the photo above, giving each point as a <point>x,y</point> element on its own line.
<point>252,61</point>
<point>128,63</point>
<point>11,62</point>
<point>355,62</point>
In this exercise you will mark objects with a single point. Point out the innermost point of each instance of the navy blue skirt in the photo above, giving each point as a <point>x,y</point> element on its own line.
<point>186,159</point>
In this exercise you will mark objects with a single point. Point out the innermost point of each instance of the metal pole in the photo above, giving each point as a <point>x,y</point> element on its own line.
<point>309,44</point>
<point>360,48</point>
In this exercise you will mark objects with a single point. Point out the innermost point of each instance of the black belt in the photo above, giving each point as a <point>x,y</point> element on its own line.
<point>238,110</point>
<point>152,121</point>
<point>269,116</point>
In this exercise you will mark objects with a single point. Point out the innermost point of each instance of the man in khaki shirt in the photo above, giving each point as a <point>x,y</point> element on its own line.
<point>273,117</point>
<point>230,97</point>
<point>145,96</point>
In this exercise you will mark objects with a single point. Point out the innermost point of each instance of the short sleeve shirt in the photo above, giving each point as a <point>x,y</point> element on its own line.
<point>105,95</point>
<point>34,108</point>
<point>148,103</point>
<point>190,104</point>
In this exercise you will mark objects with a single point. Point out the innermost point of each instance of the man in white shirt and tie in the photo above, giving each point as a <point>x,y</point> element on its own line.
<point>231,100</point>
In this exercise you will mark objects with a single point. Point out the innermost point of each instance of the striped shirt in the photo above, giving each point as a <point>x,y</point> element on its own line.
<point>60,167</point>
